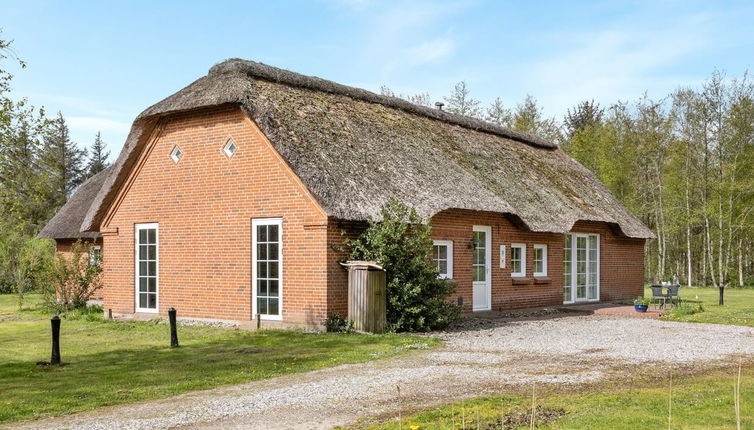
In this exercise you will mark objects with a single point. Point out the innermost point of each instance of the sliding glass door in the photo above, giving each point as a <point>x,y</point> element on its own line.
<point>581,268</point>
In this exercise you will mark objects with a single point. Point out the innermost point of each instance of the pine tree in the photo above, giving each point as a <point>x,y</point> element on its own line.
<point>62,163</point>
<point>461,103</point>
<point>498,114</point>
<point>97,157</point>
<point>585,114</point>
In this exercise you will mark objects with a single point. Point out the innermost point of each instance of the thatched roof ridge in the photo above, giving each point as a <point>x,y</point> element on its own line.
<point>354,150</point>
<point>66,224</point>
<point>256,70</point>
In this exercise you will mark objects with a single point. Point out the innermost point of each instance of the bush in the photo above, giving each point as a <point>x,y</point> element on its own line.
<point>335,323</point>
<point>684,309</point>
<point>73,282</point>
<point>25,263</point>
<point>401,243</point>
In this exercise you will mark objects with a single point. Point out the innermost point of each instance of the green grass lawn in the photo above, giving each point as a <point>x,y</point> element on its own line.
<point>698,402</point>
<point>738,308</point>
<point>112,362</point>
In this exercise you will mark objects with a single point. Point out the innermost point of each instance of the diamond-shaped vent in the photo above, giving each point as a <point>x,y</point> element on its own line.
<point>230,148</point>
<point>176,154</point>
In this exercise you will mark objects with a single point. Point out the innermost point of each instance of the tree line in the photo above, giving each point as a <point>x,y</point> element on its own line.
<point>40,168</point>
<point>683,164</point>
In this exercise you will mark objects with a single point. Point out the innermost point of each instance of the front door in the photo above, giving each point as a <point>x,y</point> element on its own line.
<point>480,268</point>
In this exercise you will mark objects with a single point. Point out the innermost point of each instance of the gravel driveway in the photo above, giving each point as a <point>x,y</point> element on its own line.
<point>483,357</point>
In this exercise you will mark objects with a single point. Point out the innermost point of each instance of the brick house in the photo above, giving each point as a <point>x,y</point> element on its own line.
<point>231,198</point>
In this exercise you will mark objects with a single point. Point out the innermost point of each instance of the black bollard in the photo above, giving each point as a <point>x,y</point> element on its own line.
<point>173,328</point>
<point>55,322</point>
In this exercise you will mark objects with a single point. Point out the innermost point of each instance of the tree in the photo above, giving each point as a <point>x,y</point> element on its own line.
<point>62,163</point>
<point>498,114</point>
<point>97,157</point>
<point>21,130</point>
<point>528,118</point>
<point>585,114</point>
<point>421,99</point>
<point>402,245</point>
<point>461,103</point>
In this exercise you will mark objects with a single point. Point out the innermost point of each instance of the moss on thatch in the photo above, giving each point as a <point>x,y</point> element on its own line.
<point>354,150</point>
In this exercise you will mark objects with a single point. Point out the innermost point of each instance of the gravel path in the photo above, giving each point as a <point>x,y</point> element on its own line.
<point>484,358</point>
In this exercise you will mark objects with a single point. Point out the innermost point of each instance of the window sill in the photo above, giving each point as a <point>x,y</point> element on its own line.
<point>541,280</point>
<point>521,280</point>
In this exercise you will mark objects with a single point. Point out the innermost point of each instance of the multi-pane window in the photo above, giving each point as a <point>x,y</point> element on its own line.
<point>95,255</point>
<point>442,255</point>
<point>267,267</point>
<point>518,260</point>
<point>540,260</point>
<point>146,267</point>
<point>479,258</point>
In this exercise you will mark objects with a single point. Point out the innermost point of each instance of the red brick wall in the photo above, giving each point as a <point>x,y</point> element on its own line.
<point>204,206</point>
<point>457,225</point>
<point>621,261</point>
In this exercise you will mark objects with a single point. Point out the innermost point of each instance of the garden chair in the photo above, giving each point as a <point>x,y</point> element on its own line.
<point>673,296</point>
<point>658,297</point>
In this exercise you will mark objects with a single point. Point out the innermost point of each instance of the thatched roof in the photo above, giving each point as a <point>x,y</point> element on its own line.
<point>354,150</point>
<point>66,224</point>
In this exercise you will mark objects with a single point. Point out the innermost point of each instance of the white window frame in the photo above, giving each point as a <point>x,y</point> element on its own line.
<point>254,223</point>
<point>137,228</point>
<point>522,247</point>
<point>92,260</point>
<point>543,273</point>
<point>449,245</point>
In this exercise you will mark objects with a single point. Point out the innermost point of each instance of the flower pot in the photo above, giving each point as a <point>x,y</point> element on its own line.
<point>641,308</point>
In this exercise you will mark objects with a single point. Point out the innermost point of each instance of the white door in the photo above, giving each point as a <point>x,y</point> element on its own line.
<point>581,268</point>
<point>480,268</point>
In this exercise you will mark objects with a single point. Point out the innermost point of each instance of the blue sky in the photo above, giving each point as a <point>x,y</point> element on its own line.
<point>101,63</point>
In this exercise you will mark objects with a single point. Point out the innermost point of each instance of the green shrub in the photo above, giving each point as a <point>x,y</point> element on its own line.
<point>335,323</point>
<point>401,243</point>
<point>73,281</point>
<point>684,309</point>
